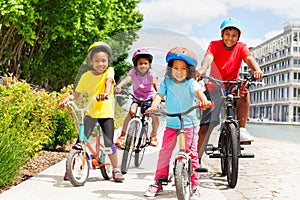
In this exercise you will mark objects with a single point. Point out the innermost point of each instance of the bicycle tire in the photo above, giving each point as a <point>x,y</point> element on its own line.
<point>129,146</point>
<point>232,155</point>
<point>182,181</point>
<point>139,153</point>
<point>77,174</point>
<point>106,170</point>
<point>222,146</point>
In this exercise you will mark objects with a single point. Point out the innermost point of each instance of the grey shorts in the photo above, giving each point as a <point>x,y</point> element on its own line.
<point>212,115</point>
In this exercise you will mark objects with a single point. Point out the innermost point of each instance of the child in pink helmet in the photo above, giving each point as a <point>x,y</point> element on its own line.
<point>144,82</point>
<point>180,89</point>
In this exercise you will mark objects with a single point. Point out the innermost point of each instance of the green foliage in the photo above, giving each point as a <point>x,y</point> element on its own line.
<point>48,45</point>
<point>29,122</point>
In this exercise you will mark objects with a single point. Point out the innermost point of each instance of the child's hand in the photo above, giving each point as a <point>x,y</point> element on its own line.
<point>151,109</point>
<point>206,104</point>
<point>63,102</point>
<point>118,89</point>
<point>102,97</point>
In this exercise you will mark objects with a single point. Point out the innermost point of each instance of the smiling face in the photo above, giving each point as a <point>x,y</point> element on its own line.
<point>142,66</point>
<point>100,62</point>
<point>230,37</point>
<point>179,70</point>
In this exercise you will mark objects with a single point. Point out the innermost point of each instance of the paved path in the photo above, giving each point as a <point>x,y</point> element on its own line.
<point>274,173</point>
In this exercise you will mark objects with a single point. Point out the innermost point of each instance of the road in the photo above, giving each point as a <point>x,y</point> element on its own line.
<point>274,173</point>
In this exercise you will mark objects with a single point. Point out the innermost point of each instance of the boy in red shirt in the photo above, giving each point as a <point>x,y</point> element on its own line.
<point>224,58</point>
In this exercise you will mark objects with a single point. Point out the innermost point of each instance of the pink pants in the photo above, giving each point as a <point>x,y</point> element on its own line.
<point>168,145</point>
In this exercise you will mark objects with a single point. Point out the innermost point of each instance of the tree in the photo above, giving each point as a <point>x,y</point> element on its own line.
<point>46,41</point>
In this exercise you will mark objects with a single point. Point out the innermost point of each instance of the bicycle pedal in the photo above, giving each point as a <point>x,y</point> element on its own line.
<point>246,155</point>
<point>246,143</point>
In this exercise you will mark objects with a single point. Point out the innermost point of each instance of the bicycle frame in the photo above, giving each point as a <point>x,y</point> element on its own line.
<point>136,134</point>
<point>229,146</point>
<point>79,161</point>
<point>182,168</point>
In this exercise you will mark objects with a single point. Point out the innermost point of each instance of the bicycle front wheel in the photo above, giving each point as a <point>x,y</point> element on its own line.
<point>223,153</point>
<point>232,155</point>
<point>77,167</point>
<point>129,145</point>
<point>182,181</point>
<point>140,150</point>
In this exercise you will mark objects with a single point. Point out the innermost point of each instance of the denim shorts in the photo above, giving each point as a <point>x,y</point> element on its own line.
<point>212,115</point>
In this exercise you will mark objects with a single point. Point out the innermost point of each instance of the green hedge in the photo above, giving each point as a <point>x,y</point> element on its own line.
<point>29,122</point>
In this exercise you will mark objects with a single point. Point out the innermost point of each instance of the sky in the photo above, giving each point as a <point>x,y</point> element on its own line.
<point>194,23</point>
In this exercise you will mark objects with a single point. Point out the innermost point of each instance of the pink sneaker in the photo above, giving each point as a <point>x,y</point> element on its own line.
<point>153,190</point>
<point>195,193</point>
<point>117,175</point>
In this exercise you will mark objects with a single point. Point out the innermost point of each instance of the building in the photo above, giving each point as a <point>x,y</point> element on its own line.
<point>279,58</point>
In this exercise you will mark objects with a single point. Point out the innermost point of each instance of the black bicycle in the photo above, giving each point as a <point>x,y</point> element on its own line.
<point>137,134</point>
<point>229,147</point>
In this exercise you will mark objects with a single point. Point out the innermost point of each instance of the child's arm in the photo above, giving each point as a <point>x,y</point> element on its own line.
<point>122,83</point>
<point>204,101</point>
<point>205,64</point>
<point>155,83</point>
<point>108,85</point>
<point>257,73</point>
<point>71,97</point>
<point>156,101</point>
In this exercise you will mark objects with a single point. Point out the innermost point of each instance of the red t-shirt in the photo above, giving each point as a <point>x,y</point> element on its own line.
<point>226,63</point>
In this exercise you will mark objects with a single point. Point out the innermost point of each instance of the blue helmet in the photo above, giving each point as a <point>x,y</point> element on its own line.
<point>182,53</point>
<point>232,22</point>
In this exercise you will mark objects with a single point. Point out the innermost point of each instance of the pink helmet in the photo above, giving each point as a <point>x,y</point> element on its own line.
<point>144,53</point>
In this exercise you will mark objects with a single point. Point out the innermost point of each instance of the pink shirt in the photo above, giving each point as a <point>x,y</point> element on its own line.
<point>143,85</point>
<point>226,64</point>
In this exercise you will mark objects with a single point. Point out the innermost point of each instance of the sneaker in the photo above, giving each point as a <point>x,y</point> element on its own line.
<point>153,140</point>
<point>66,178</point>
<point>117,175</point>
<point>195,193</point>
<point>245,136</point>
<point>153,190</point>
<point>120,142</point>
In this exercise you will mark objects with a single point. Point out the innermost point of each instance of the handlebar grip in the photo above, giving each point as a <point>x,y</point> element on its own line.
<point>106,97</point>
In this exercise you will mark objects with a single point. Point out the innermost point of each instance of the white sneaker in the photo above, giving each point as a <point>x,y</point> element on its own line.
<point>245,136</point>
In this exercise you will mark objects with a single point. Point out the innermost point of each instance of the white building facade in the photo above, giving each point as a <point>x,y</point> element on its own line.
<point>279,58</point>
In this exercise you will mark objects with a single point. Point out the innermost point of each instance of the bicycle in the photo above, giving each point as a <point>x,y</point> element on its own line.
<point>182,164</point>
<point>80,160</point>
<point>137,134</point>
<point>229,147</point>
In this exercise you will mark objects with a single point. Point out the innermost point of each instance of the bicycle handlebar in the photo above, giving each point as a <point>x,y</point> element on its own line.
<point>74,105</point>
<point>250,80</point>
<point>163,113</point>
<point>134,97</point>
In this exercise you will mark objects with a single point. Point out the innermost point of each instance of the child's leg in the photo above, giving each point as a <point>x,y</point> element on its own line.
<point>155,124</point>
<point>168,145</point>
<point>125,124</point>
<point>191,137</point>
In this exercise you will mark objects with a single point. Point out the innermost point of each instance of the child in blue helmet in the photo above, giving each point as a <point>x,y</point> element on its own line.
<point>180,89</point>
<point>224,58</point>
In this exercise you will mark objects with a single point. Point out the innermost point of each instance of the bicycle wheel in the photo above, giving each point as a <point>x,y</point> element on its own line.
<point>77,169</point>
<point>182,181</point>
<point>223,155</point>
<point>140,150</point>
<point>106,170</point>
<point>232,155</point>
<point>129,146</point>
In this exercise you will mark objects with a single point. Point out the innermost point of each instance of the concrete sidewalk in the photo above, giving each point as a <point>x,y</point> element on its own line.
<point>274,173</point>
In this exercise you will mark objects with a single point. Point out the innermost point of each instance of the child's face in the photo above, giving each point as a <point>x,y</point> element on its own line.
<point>179,70</point>
<point>230,37</point>
<point>142,66</point>
<point>100,62</point>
